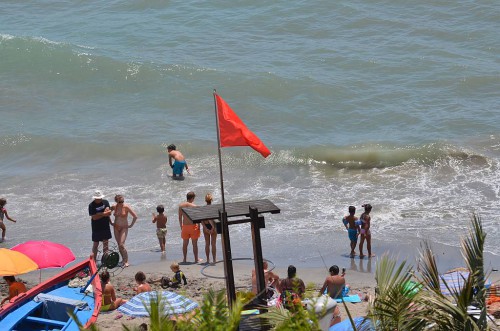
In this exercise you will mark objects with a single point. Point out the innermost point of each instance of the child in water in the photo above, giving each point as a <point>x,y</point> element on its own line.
<point>3,212</point>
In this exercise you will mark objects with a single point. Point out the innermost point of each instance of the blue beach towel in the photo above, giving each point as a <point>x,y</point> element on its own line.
<point>361,323</point>
<point>353,298</point>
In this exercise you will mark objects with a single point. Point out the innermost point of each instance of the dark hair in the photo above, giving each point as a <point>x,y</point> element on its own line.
<point>367,207</point>
<point>104,276</point>
<point>190,195</point>
<point>334,269</point>
<point>352,209</point>
<point>11,279</point>
<point>140,276</point>
<point>160,208</point>
<point>3,201</point>
<point>171,146</point>
<point>292,271</point>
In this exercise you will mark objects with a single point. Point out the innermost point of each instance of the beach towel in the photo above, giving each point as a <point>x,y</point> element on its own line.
<point>360,322</point>
<point>353,298</point>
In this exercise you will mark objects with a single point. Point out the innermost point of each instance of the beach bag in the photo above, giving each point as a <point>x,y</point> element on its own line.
<point>289,299</point>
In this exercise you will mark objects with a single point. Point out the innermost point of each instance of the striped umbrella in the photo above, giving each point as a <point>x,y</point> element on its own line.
<point>171,303</point>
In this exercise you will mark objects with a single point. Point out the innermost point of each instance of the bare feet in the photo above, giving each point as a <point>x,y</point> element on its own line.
<point>126,265</point>
<point>199,261</point>
<point>371,255</point>
<point>361,256</point>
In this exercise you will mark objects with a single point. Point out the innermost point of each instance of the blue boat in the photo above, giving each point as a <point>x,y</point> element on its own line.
<point>46,306</point>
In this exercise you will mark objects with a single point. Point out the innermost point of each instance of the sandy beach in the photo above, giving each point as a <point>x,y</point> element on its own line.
<point>360,275</point>
<point>198,283</point>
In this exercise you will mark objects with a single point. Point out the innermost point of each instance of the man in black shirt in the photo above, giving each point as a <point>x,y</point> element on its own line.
<point>99,211</point>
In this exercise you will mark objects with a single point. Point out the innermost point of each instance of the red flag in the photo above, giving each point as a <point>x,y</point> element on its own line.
<point>233,132</point>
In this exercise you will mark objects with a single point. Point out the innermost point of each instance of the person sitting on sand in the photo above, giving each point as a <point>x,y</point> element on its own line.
<point>179,162</point>
<point>271,279</point>
<point>15,288</point>
<point>352,225</point>
<point>109,299</point>
<point>161,226</point>
<point>142,286</point>
<point>292,289</point>
<point>176,281</point>
<point>334,284</point>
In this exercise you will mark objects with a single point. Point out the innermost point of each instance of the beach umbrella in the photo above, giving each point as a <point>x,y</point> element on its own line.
<point>46,254</point>
<point>454,281</point>
<point>172,304</point>
<point>15,263</point>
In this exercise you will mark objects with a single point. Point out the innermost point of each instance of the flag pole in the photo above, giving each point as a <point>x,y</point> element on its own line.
<point>226,243</point>
<point>218,149</point>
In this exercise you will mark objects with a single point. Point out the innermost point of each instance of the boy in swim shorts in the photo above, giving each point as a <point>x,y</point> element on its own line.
<point>352,225</point>
<point>161,226</point>
<point>189,230</point>
<point>179,162</point>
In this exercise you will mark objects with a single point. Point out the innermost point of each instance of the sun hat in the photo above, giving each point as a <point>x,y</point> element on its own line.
<point>98,195</point>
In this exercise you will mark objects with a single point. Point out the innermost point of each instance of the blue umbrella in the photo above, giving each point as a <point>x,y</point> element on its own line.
<point>171,302</point>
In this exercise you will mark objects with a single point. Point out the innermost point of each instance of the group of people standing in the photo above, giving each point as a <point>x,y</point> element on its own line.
<point>359,227</point>
<point>101,212</point>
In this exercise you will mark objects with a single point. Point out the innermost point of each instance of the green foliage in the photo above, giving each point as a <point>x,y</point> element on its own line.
<point>398,306</point>
<point>299,319</point>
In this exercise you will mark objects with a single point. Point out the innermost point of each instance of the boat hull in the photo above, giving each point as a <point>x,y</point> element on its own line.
<point>46,306</point>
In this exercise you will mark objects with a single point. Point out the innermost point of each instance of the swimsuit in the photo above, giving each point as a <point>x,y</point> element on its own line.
<point>179,278</point>
<point>161,233</point>
<point>104,307</point>
<point>353,234</point>
<point>190,231</point>
<point>178,167</point>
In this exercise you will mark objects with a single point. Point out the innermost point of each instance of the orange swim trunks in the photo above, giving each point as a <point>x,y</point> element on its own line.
<point>190,231</point>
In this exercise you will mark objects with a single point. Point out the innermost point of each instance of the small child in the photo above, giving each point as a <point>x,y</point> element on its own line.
<point>3,212</point>
<point>178,279</point>
<point>161,226</point>
<point>142,286</point>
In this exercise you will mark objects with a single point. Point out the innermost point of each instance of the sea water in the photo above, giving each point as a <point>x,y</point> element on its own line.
<point>394,103</point>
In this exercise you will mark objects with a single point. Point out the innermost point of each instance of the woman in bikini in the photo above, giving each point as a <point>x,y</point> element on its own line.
<point>365,231</point>
<point>109,299</point>
<point>210,234</point>
<point>121,226</point>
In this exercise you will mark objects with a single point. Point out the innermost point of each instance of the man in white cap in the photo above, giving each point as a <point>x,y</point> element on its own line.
<point>100,211</point>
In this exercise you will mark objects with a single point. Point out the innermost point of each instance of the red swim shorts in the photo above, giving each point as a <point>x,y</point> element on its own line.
<point>190,231</point>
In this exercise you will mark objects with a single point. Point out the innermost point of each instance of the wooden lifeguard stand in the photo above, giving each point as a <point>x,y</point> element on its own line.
<point>250,209</point>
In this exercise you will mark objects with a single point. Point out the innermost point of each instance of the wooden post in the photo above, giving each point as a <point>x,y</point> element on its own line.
<point>228,259</point>
<point>257,254</point>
